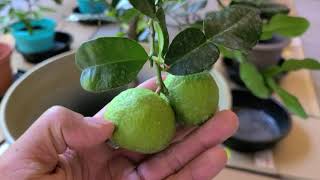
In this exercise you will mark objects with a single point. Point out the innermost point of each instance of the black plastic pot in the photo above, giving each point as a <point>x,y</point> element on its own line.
<point>62,44</point>
<point>263,123</point>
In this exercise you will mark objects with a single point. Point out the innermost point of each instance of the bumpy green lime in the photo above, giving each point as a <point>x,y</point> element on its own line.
<point>194,98</point>
<point>144,121</point>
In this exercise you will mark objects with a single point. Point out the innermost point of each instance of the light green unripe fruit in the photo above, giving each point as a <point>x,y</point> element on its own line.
<point>144,121</point>
<point>194,98</point>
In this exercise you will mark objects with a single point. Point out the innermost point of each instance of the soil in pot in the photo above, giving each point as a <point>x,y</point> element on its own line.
<point>5,68</point>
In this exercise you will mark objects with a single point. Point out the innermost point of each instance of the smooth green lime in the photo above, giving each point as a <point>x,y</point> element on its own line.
<point>144,121</point>
<point>194,98</point>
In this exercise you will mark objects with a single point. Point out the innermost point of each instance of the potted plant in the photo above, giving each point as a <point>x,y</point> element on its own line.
<point>32,33</point>
<point>132,23</point>
<point>92,6</point>
<point>111,62</point>
<point>261,75</point>
<point>278,28</point>
<point>5,68</point>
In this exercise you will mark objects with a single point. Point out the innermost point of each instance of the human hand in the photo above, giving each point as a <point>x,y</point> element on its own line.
<point>63,145</point>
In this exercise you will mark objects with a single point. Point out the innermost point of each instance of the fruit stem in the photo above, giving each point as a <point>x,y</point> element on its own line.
<point>162,87</point>
<point>161,84</point>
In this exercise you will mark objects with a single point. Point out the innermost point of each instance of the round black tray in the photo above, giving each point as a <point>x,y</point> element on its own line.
<point>92,22</point>
<point>262,123</point>
<point>62,44</point>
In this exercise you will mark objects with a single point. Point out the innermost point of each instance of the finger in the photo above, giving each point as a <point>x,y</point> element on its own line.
<point>204,167</point>
<point>213,132</point>
<point>59,128</point>
<point>149,84</point>
<point>122,168</point>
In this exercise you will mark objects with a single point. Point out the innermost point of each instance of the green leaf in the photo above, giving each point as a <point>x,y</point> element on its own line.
<point>290,101</point>
<point>160,37</point>
<point>109,62</point>
<point>293,65</point>
<point>235,27</point>
<point>190,53</point>
<point>286,26</point>
<point>272,71</point>
<point>146,7</point>
<point>253,80</point>
<point>162,22</point>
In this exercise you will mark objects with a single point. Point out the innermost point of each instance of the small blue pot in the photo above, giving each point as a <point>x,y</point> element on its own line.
<point>92,6</point>
<point>40,40</point>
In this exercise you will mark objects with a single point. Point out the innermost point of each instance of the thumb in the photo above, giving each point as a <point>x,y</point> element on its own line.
<point>60,128</point>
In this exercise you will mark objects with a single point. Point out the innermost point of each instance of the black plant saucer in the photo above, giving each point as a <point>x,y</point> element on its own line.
<point>262,122</point>
<point>232,68</point>
<point>62,44</point>
<point>92,20</point>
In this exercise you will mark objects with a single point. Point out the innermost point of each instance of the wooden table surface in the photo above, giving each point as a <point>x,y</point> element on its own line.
<point>296,155</point>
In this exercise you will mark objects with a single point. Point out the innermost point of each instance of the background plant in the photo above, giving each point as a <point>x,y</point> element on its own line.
<point>132,23</point>
<point>276,21</point>
<point>11,13</point>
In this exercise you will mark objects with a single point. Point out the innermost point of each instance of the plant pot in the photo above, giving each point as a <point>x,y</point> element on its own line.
<point>268,53</point>
<point>62,42</point>
<point>52,82</point>
<point>40,40</point>
<point>92,6</point>
<point>5,68</point>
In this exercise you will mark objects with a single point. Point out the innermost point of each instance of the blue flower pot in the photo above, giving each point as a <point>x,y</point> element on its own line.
<point>92,6</point>
<point>40,40</point>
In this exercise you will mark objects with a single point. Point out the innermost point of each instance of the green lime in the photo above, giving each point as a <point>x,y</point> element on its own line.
<point>144,121</point>
<point>194,98</point>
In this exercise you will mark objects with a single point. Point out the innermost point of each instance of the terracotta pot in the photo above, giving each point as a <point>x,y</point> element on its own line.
<point>268,53</point>
<point>5,68</point>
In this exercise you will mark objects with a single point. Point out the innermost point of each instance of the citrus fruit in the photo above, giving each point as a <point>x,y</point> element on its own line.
<point>144,121</point>
<point>194,98</point>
